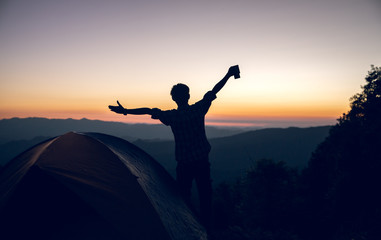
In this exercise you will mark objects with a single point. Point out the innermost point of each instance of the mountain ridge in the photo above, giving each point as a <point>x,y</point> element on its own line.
<point>27,128</point>
<point>231,155</point>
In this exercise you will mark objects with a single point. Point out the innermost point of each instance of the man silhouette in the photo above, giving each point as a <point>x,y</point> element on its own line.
<point>192,147</point>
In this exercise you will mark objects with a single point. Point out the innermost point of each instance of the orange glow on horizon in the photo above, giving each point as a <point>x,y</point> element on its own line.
<point>280,112</point>
<point>233,112</point>
<point>230,117</point>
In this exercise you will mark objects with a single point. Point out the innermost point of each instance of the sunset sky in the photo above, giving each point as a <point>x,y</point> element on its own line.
<point>300,60</point>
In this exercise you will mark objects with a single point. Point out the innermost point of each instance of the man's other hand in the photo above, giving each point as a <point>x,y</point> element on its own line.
<point>118,109</point>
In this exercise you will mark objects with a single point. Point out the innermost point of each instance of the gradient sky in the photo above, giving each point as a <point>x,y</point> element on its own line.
<point>300,60</point>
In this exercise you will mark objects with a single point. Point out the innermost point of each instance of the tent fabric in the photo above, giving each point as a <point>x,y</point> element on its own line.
<point>92,186</point>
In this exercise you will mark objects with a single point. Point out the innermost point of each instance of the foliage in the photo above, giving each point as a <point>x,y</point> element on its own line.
<point>335,197</point>
<point>260,206</point>
<point>343,175</point>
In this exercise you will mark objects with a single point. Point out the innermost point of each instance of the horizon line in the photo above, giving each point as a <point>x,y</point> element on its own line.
<point>260,122</point>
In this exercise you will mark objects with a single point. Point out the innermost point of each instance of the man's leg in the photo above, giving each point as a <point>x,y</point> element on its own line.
<point>204,186</point>
<point>184,178</point>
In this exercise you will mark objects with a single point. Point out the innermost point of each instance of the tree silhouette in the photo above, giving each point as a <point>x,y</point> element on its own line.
<point>344,173</point>
<point>269,189</point>
<point>260,206</point>
<point>335,198</point>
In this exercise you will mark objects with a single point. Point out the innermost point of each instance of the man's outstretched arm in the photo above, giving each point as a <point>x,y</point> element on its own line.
<point>137,111</point>
<point>222,82</point>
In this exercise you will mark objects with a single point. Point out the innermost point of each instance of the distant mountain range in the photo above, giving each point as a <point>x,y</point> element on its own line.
<point>18,134</point>
<point>27,128</point>
<point>233,150</point>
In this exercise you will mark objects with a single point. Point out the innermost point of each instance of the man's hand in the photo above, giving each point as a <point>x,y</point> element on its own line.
<point>118,109</point>
<point>233,71</point>
<point>230,72</point>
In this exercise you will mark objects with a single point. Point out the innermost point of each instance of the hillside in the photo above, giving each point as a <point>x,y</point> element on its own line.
<point>232,156</point>
<point>18,134</point>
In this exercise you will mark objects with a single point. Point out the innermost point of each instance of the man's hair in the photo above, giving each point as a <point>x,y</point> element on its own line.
<point>180,92</point>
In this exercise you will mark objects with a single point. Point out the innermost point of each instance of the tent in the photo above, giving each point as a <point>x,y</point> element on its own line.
<point>91,186</point>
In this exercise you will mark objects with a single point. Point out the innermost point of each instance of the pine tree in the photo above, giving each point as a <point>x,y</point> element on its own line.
<point>344,173</point>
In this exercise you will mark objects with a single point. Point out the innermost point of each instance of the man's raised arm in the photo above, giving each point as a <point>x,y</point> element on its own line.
<point>233,70</point>
<point>137,111</point>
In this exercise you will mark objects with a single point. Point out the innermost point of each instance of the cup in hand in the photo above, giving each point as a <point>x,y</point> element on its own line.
<point>236,71</point>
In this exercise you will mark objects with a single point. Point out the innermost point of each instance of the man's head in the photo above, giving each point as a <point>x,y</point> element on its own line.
<point>180,93</point>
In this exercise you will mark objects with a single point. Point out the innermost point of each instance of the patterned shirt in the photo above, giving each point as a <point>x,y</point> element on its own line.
<point>188,127</point>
